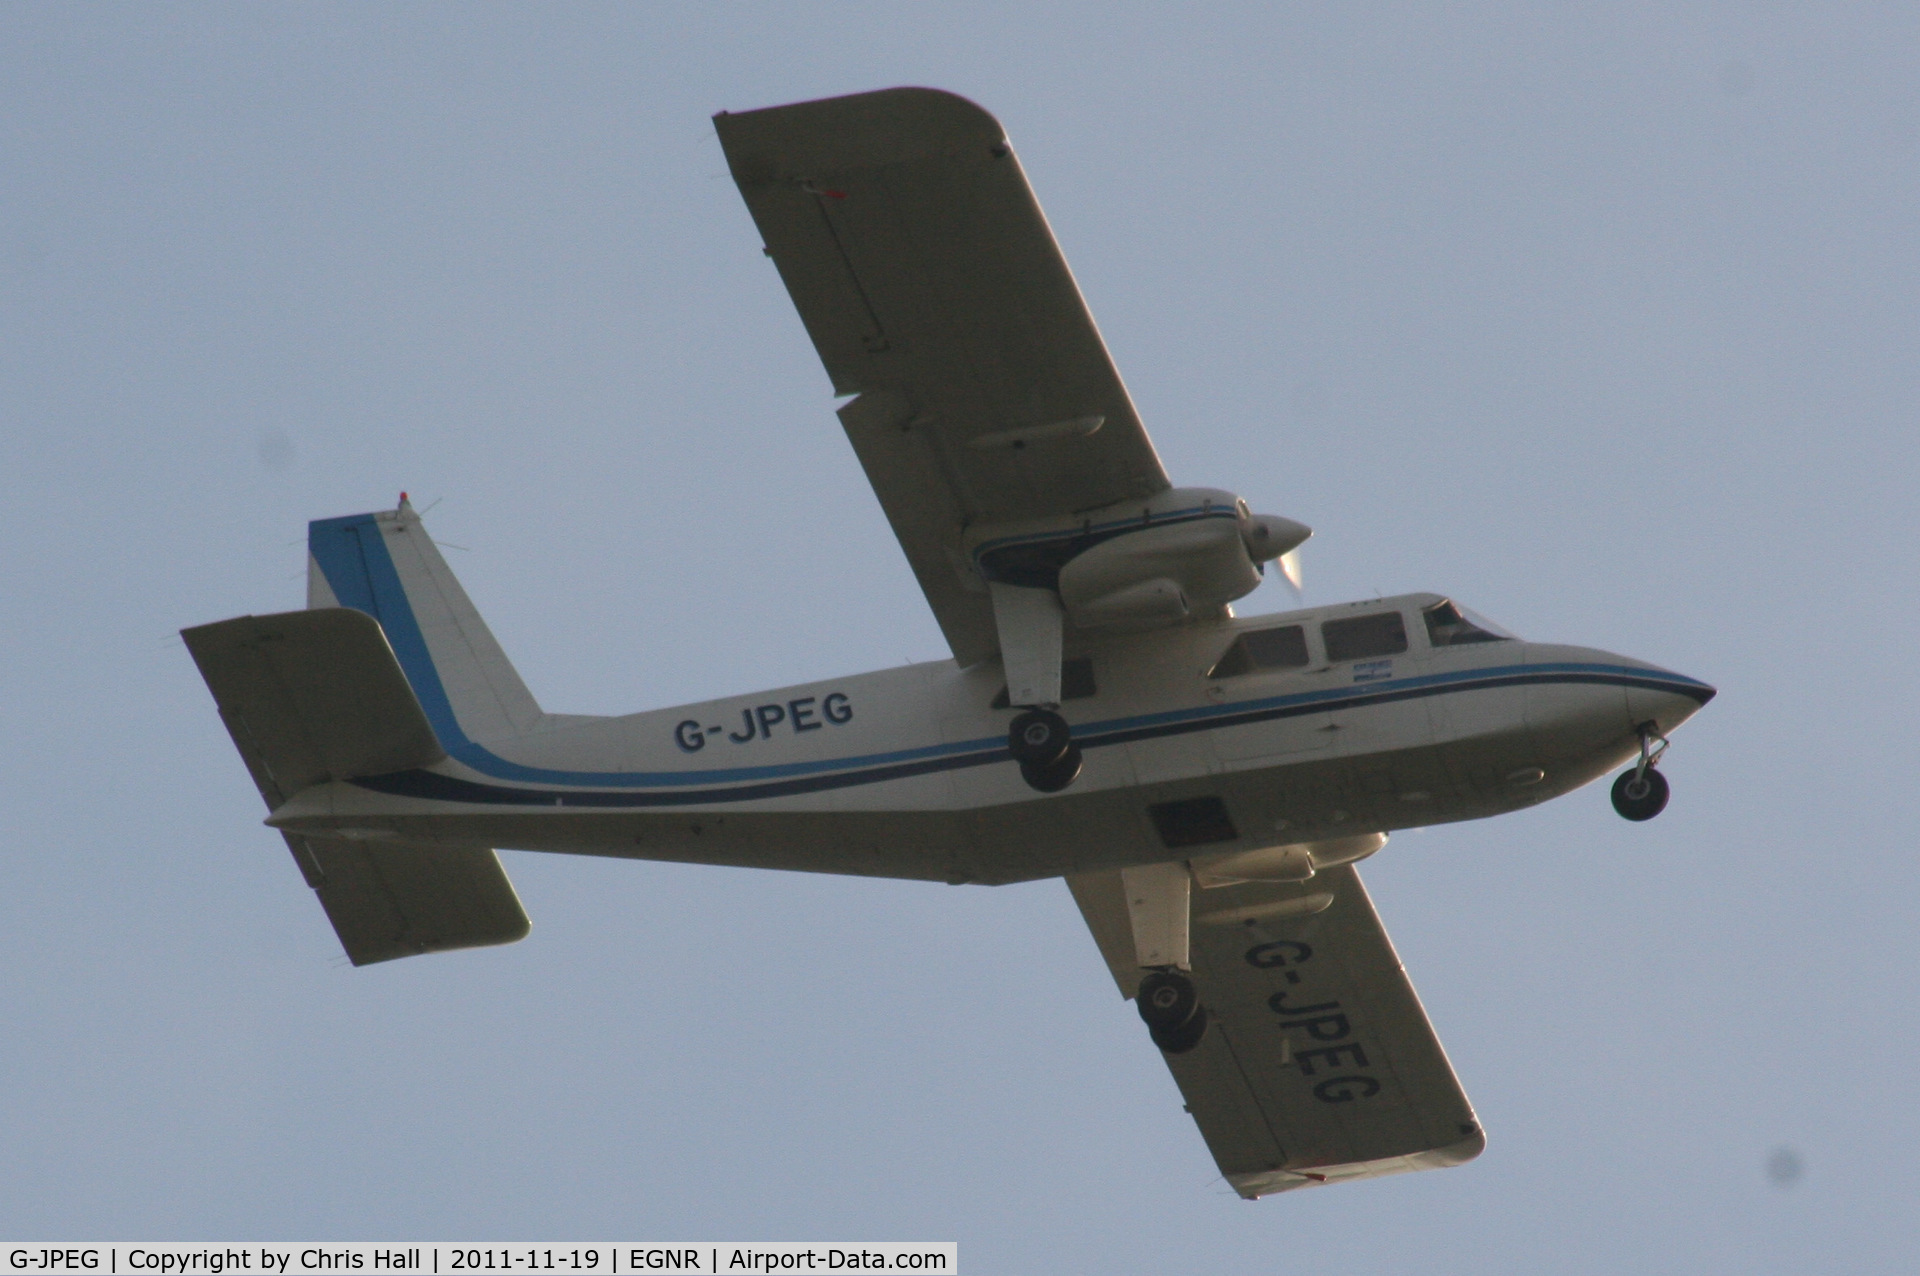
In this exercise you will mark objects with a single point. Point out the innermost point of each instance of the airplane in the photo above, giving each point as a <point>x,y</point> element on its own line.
<point>1205,783</point>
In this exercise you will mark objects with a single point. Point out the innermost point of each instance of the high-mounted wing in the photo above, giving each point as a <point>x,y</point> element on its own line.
<point>924,271</point>
<point>1318,1064</point>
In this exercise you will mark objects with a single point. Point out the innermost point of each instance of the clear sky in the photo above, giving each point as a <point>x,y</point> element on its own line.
<point>1602,319</point>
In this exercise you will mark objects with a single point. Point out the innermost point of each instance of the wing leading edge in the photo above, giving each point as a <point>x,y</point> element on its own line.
<point>1319,1064</point>
<point>924,271</point>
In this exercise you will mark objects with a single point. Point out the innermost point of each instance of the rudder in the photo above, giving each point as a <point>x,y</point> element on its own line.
<point>386,565</point>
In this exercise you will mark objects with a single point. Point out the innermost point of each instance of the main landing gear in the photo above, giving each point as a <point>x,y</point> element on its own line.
<point>1042,743</point>
<point>1641,794</point>
<point>1175,1018</point>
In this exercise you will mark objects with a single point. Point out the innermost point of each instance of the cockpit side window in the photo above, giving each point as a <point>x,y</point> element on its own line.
<point>1363,637</point>
<point>1282,648</point>
<point>1449,626</point>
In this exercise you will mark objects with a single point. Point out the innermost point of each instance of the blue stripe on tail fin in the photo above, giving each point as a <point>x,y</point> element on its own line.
<point>386,565</point>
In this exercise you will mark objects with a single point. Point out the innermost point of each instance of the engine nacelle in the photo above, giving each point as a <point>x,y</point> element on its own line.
<point>1138,578</point>
<point>1151,602</point>
<point>1183,552</point>
<point>1295,863</point>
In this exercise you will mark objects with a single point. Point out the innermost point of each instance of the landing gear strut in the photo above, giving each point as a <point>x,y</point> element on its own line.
<point>1641,794</point>
<point>1042,743</point>
<point>1171,1008</point>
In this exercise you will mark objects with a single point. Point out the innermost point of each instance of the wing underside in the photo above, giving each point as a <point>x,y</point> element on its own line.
<point>926,276</point>
<point>1319,1064</point>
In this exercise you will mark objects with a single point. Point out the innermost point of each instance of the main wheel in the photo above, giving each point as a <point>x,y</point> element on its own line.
<point>1167,1000</point>
<point>1185,1037</point>
<point>1056,775</point>
<point>1640,798</point>
<point>1039,737</point>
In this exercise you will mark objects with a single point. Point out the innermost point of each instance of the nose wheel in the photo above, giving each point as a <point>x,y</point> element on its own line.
<point>1641,794</point>
<point>1171,1008</point>
<point>1042,743</point>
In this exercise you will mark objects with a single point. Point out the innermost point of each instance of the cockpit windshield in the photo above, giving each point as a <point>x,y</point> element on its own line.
<point>1450,625</point>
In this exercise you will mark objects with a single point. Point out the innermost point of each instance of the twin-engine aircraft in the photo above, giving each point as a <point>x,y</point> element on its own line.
<point>1205,783</point>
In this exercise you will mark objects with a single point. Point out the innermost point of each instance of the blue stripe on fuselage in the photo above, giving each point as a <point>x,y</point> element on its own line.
<point>842,773</point>
<point>353,555</point>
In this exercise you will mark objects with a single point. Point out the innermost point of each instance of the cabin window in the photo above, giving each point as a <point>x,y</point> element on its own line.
<point>1282,648</point>
<point>1076,683</point>
<point>1364,637</point>
<point>1449,626</point>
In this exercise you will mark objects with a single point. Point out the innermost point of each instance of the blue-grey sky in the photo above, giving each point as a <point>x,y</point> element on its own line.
<point>1602,319</point>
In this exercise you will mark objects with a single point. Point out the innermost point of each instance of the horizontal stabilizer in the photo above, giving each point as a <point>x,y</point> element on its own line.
<point>312,696</point>
<point>391,899</point>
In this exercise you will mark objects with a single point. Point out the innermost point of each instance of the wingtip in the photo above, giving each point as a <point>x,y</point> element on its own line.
<point>853,131</point>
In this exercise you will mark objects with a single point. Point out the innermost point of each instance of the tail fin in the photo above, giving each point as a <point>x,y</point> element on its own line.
<point>386,565</point>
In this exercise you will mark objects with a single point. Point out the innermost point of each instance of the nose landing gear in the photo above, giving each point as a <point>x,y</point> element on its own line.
<point>1641,794</point>
<point>1042,743</point>
<point>1171,1008</point>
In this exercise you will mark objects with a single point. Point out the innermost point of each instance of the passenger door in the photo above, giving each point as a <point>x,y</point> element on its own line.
<point>1275,702</point>
<point>1367,652</point>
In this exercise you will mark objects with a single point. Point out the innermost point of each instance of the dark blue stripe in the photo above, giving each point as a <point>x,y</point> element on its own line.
<point>445,788</point>
<point>353,555</point>
<point>1114,526</point>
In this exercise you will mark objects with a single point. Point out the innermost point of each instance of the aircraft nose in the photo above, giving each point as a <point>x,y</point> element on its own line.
<point>1666,699</point>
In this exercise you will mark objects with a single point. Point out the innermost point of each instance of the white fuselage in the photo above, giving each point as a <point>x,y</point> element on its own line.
<point>905,772</point>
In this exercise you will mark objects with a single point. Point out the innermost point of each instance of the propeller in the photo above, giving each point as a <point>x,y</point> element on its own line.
<point>1290,568</point>
<point>1270,538</point>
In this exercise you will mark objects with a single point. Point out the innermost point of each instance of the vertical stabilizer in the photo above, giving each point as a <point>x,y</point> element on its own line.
<point>386,565</point>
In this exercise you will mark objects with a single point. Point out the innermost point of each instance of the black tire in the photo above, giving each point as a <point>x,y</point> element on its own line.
<point>1640,801</point>
<point>1051,779</point>
<point>1185,1037</point>
<point>1039,738</point>
<point>1167,1000</point>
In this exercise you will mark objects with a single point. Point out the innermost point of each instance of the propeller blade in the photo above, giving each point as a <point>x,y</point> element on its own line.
<point>1290,568</point>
